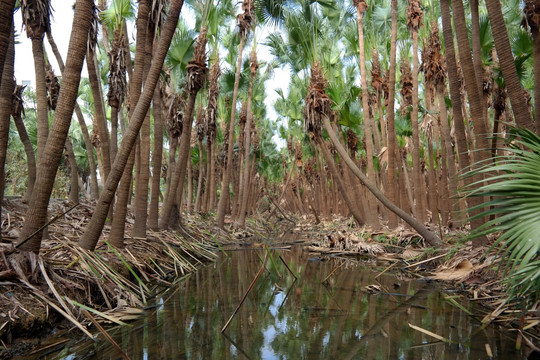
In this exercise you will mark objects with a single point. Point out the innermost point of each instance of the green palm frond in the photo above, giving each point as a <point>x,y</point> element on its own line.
<point>513,186</point>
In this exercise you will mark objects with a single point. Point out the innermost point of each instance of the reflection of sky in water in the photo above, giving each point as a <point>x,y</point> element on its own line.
<point>302,320</point>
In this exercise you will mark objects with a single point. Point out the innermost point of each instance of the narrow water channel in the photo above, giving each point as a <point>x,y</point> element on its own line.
<point>307,318</point>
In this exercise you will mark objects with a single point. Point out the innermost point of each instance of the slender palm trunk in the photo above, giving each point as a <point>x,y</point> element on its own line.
<point>6,90</point>
<point>94,228</point>
<point>100,120</point>
<point>429,236</point>
<point>392,140</point>
<point>201,174</point>
<point>179,173</point>
<point>157,156</point>
<point>30,155</point>
<point>227,175</point>
<point>94,188</point>
<point>74,174</point>
<point>41,94</point>
<point>419,188</point>
<point>48,165</point>
<point>371,218</point>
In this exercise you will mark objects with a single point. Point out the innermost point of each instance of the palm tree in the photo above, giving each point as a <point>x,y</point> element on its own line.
<point>49,162</point>
<point>508,67</point>
<point>36,19</point>
<point>6,25</point>
<point>371,218</point>
<point>244,22</point>
<point>211,118</point>
<point>414,22</point>
<point>392,140</point>
<point>196,73</point>
<point>94,189</point>
<point>16,111</point>
<point>94,228</point>
<point>6,89</point>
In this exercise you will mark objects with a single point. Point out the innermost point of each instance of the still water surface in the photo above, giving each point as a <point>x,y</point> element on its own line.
<point>307,318</point>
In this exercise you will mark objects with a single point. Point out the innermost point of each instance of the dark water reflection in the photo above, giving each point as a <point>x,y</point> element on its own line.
<point>303,319</point>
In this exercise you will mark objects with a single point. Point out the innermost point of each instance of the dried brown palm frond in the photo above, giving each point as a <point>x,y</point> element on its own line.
<point>253,63</point>
<point>499,101</point>
<point>17,107</point>
<point>158,13</point>
<point>426,126</point>
<point>414,15</point>
<point>531,16</point>
<point>360,6</point>
<point>487,84</point>
<point>94,29</point>
<point>36,17</point>
<point>53,87</point>
<point>376,72</point>
<point>202,126</point>
<point>196,70</point>
<point>433,61</point>
<point>245,20</point>
<point>117,70</point>
<point>406,85</point>
<point>352,141</point>
<point>317,102</point>
<point>175,118</point>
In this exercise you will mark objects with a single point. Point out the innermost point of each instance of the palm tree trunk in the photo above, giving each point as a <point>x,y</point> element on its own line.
<point>100,119</point>
<point>30,155</point>
<point>371,218</point>
<point>157,155</point>
<point>179,173</point>
<point>506,60</point>
<point>202,166</point>
<point>41,95</point>
<point>418,188</point>
<point>94,228</point>
<point>48,165</point>
<point>74,179</point>
<point>6,92</point>
<point>6,27</point>
<point>429,236</point>
<point>94,188</point>
<point>227,175</point>
<point>392,140</point>
<point>475,98</point>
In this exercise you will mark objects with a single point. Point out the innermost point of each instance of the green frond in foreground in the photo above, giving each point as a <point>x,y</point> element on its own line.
<point>513,187</point>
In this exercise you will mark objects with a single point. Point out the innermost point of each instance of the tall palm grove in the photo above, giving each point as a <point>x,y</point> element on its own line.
<point>387,112</point>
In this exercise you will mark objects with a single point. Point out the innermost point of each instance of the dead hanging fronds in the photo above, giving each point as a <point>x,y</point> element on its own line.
<point>196,70</point>
<point>531,16</point>
<point>406,85</point>
<point>53,87</point>
<point>426,126</point>
<point>360,6</point>
<point>317,103</point>
<point>202,126</point>
<point>487,84</point>
<point>245,20</point>
<point>158,14</point>
<point>175,119</point>
<point>376,72</point>
<point>17,107</point>
<point>36,17</point>
<point>94,30</point>
<point>414,15</point>
<point>352,142</point>
<point>499,101</point>
<point>117,70</point>
<point>253,63</point>
<point>255,139</point>
<point>433,61</point>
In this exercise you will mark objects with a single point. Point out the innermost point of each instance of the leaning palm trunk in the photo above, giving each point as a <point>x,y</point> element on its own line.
<point>157,155</point>
<point>196,74</point>
<point>508,67</point>
<point>6,27</point>
<point>94,228</point>
<point>74,174</point>
<point>94,188</point>
<point>47,167</point>
<point>429,236</point>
